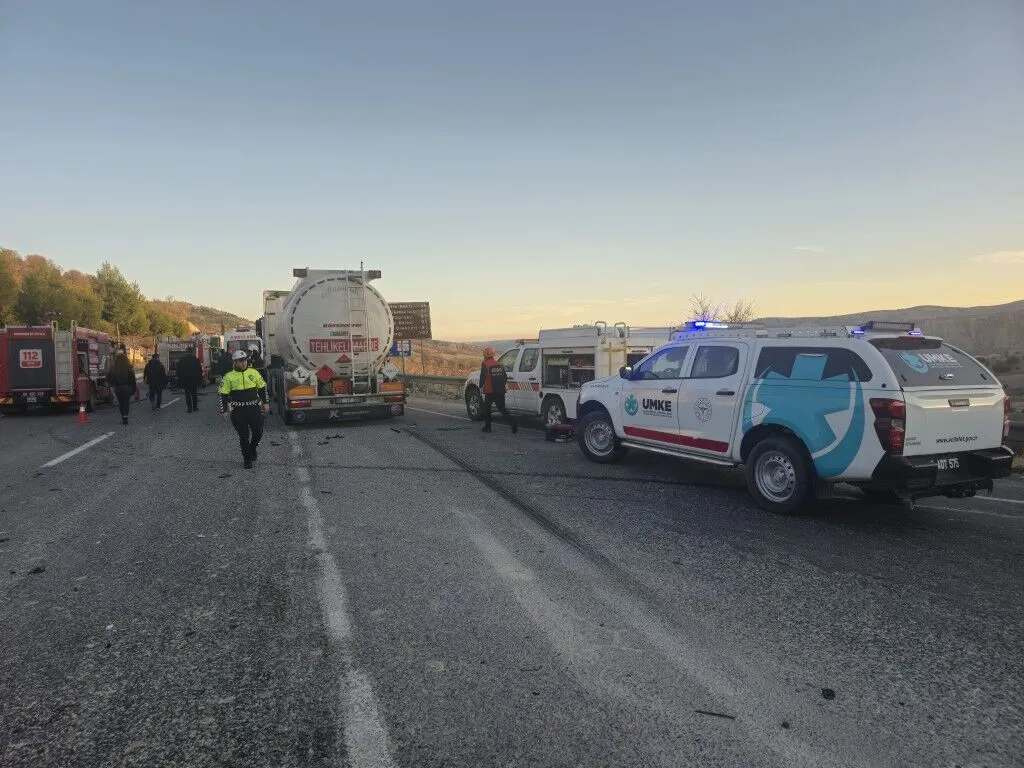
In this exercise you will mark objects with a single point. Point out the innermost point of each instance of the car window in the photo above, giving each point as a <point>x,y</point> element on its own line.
<point>921,362</point>
<point>529,361</point>
<point>715,362</point>
<point>508,360</point>
<point>811,363</point>
<point>664,364</point>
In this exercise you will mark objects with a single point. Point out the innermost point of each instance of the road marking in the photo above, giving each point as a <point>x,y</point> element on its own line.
<point>76,451</point>
<point>437,413</point>
<point>366,735</point>
<point>172,402</point>
<point>963,511</point>
<point>996,498</point>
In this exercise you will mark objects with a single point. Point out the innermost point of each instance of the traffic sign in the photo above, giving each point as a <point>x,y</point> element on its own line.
<point>401,349</point>
<point>412,319</point>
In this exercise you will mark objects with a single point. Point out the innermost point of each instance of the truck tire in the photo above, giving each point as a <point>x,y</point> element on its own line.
<point>779,475</point>
<point>474,404</point>
<point>597,438</point>
<point>553,411</point>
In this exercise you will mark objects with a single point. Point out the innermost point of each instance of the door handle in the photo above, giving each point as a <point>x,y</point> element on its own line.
<point>533,378</point>
<point>669,391</point>
<point>725,392</point>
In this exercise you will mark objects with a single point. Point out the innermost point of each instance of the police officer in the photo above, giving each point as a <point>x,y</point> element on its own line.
<point>245,391</point>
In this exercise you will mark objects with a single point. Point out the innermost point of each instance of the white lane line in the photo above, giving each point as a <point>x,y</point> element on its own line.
<point>965,511</point>
<point>996,498</point>
<point>436,413</point>
<point>172,402</point>
<point>366,735</point>
<point>296,446</point>
<point>76,451</point>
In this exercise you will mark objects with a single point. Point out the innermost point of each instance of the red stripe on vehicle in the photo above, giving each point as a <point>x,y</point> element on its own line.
<point>668,437</point>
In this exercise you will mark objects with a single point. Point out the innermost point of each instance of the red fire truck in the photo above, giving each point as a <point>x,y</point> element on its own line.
<point>42,365</point>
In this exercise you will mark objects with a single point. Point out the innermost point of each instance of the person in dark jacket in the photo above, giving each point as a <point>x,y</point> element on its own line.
<point>155,375</point>
<point>190,376</point>
<point>224,363</point>
<point>122,379</point>
<point>492,383</point>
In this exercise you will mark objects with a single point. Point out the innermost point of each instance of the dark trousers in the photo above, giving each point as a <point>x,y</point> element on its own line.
<point>191,394</point>
<point>156,397</point>
<point>124,394</point>
<point>498,401</point>
<point>246,421</point>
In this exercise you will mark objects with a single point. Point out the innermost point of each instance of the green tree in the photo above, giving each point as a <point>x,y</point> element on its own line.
<point>123,303</point>
<point>10,279</point>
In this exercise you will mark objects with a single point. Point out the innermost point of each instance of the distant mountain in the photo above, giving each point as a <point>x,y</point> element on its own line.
<point>994,330</point>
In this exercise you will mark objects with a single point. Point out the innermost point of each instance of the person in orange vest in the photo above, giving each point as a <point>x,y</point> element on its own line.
<point>492,383</point>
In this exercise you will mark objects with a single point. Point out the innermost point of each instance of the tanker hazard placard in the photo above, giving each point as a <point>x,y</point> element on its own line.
<point>331,346</point>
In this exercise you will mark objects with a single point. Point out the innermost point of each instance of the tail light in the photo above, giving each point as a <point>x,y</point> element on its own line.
<point>298,403</point>
<point>1007,415</point>
<point>394,398</point>
<point>890,423</point>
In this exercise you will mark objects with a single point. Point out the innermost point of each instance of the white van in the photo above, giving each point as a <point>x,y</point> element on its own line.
<point>881,406</point>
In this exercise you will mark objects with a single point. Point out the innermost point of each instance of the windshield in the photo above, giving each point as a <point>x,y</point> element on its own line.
<point>921,362</point>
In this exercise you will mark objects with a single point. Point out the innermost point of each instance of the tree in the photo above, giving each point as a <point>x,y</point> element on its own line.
<point>123,302</point>
<point>740,312</point>
<point>10,280</point>
<point>703,308</point>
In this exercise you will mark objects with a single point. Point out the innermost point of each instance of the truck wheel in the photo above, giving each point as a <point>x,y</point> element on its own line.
<point>598,440</point>
<point>779,475</point>
<point>474,404</point>
<point>553,410</point>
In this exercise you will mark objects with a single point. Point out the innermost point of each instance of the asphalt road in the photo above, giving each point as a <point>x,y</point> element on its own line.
<point>417,593</point>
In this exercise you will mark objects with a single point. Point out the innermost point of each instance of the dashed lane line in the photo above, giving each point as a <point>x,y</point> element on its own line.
<point>76,451</point>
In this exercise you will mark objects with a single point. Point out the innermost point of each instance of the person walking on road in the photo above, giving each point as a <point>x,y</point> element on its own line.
<point>243,395</point>
<point>492,383</point>
<point>190,375</point>
<point>155,376</point>
<point>122,379</point>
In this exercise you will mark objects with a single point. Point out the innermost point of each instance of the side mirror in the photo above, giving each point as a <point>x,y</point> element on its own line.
<point>625,372</point>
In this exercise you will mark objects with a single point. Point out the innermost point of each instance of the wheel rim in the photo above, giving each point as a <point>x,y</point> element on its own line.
<point>599,438</point>
<point>554,414</point>
<point>474,404</point>
<point>775,476</point>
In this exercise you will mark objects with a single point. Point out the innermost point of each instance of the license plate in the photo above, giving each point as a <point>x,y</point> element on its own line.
<point>949,465</point>
<point>375,400</point>
<point>31,399</point>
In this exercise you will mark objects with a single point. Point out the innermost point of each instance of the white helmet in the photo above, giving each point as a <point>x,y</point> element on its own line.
<point>239,354</point>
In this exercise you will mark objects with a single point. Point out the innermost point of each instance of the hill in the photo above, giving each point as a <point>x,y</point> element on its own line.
<point>993,330</point>
<point>205,319</point>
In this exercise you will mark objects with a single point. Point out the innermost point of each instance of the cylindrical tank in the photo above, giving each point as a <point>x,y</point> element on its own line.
<point>335,319</point>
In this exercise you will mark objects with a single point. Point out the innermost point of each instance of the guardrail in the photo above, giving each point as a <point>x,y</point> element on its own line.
<point>445,387</point>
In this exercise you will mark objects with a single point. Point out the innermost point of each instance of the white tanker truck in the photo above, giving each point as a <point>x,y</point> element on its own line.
<point>327,342</point>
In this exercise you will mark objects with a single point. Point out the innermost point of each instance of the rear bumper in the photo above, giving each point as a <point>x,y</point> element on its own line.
<point>21,400</point>
<point>346,413</point>
<point>922,475</point>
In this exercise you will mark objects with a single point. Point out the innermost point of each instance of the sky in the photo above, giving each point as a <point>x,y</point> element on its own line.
<point>524,165</point>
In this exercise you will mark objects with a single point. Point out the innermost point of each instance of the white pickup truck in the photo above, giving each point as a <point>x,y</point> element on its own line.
<point>880,406</point>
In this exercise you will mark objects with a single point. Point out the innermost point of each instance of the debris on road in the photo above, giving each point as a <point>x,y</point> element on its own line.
<point>37,569</point>
<point>715,714</point>
<point>828,694</point>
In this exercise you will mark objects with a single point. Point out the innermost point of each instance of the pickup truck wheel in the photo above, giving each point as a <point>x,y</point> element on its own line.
<point>474,404</point>
<point>779,475</point>
<point>553,410</point>
<point>597,438</point>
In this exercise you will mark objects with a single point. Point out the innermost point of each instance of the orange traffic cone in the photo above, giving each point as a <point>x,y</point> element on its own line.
<point>82,418</point>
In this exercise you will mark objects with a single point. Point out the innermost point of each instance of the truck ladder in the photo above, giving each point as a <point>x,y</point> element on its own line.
<point>63,351</point>
<point>359,343</point>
